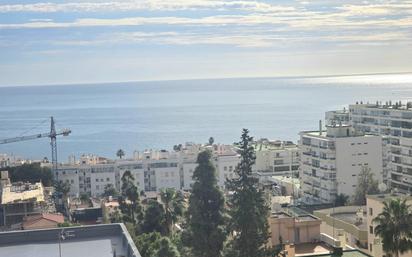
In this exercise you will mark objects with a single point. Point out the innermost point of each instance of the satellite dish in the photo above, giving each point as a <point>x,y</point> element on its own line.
<point>382,187</point>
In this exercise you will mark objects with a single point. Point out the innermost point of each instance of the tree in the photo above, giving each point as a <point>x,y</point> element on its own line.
<point>341,200</point>
<point>166,249</point>
<point>211,140</point>
<point>110,190</point>
<point>154,218</point>
<point>173,204</point>
<point>129,201</point>
<point>367,184</point>
<point>62,188</point>
<point>247,207</point>
<point>148,243</point>
<point>120,153</point>
<point>31,173</point>
<point>205,233</point>
<point>84,197</point>
<point>395,227</point>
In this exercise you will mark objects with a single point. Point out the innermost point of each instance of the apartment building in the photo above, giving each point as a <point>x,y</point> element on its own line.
<point>374,206</point>
<point>337,117</point>
<point>332,159</point>
<point>393,121</point>
<point>152,170</point>
<point>276,158</point>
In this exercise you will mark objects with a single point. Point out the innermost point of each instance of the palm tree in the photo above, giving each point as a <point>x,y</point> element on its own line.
<point>173,204</point>
<point>120,153</point>
<point>395,227</point>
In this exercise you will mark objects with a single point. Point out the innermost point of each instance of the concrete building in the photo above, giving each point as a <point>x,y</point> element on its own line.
<point>276,158</point>
<point>331,161</point>
<point>153,170</point>
<point>293,227</point>
<point>337,117</point>
<point>374,206</point>
<point>19,200</point>
<point>347,224</point>
<point>109,240</point>
<point>393,121</point>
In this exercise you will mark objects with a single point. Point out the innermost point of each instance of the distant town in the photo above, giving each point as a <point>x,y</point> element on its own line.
<point>325,193</point>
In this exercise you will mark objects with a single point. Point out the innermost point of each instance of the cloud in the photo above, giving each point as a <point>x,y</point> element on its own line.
<point>153,5</point>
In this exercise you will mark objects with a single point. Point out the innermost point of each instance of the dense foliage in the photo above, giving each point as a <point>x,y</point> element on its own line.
<point>367,184</point>
<point>205,233</point>
<point>395,227</point>
<point>247,207</point>
<point>31,173</point>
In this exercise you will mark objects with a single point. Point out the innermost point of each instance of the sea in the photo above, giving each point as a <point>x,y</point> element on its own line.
<point>159,114</point>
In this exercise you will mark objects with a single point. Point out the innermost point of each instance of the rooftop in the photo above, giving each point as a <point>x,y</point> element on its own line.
<point>387,105</point>
<point>109,240</point>
<point>346,253</point>
<point>387,197</point>
<point>21,192</point>
<point>268,145</point>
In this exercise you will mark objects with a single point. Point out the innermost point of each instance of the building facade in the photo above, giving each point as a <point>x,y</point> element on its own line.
<point>393,121</point>
<point>276,158</point>
<point>331,161</point>
<point>374,206</point>
<point>152,170</point>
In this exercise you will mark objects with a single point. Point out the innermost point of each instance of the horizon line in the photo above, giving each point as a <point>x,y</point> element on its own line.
<point>215,78</point>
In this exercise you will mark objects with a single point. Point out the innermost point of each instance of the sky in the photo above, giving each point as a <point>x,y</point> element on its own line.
<point>94,41</point>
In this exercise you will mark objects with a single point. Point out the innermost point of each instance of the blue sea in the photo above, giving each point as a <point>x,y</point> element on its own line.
<point>158,115</point>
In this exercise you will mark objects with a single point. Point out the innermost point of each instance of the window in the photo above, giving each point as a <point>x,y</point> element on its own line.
<point>97,180</point>
<point>370,247</point>
<point>370,211</point>
<point>370,230</point>
<point>107,179</point>
<point>225,168</point>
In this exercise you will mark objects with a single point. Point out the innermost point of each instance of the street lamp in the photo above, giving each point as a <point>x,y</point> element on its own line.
<point>63,235</point>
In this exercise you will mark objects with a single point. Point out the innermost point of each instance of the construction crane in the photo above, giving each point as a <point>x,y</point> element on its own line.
<point>52,135</point>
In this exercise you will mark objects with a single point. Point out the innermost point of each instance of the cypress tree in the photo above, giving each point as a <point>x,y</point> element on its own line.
<point>205,232</point>
<point>247,207</point>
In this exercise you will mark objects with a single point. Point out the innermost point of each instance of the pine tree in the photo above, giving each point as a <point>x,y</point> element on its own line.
<point>205,232</point>
<point>247,207</point>
<point>166,249</point>
<point>154,217</point>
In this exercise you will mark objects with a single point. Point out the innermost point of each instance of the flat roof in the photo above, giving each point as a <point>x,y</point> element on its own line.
<point>108,240</point>
<point>346,253</point>
<point>351,218</point>
<point>386,197</point>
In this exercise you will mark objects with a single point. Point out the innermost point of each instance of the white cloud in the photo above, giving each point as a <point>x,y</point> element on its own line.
<point>162,5</point>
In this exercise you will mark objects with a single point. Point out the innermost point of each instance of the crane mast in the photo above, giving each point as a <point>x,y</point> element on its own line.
<point>53,143</point>
<point>53,140</point>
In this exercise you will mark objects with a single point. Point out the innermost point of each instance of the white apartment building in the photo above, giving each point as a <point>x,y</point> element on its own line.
<point>152,170</point>
<point>276,158</point>
<point>337,117</point>
<point>393,121</point>
<point>331,161</point>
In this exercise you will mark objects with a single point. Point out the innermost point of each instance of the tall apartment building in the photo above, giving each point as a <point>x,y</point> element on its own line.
<point>276,158</point>
<point>331,161</point>
<point>394,122</point>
